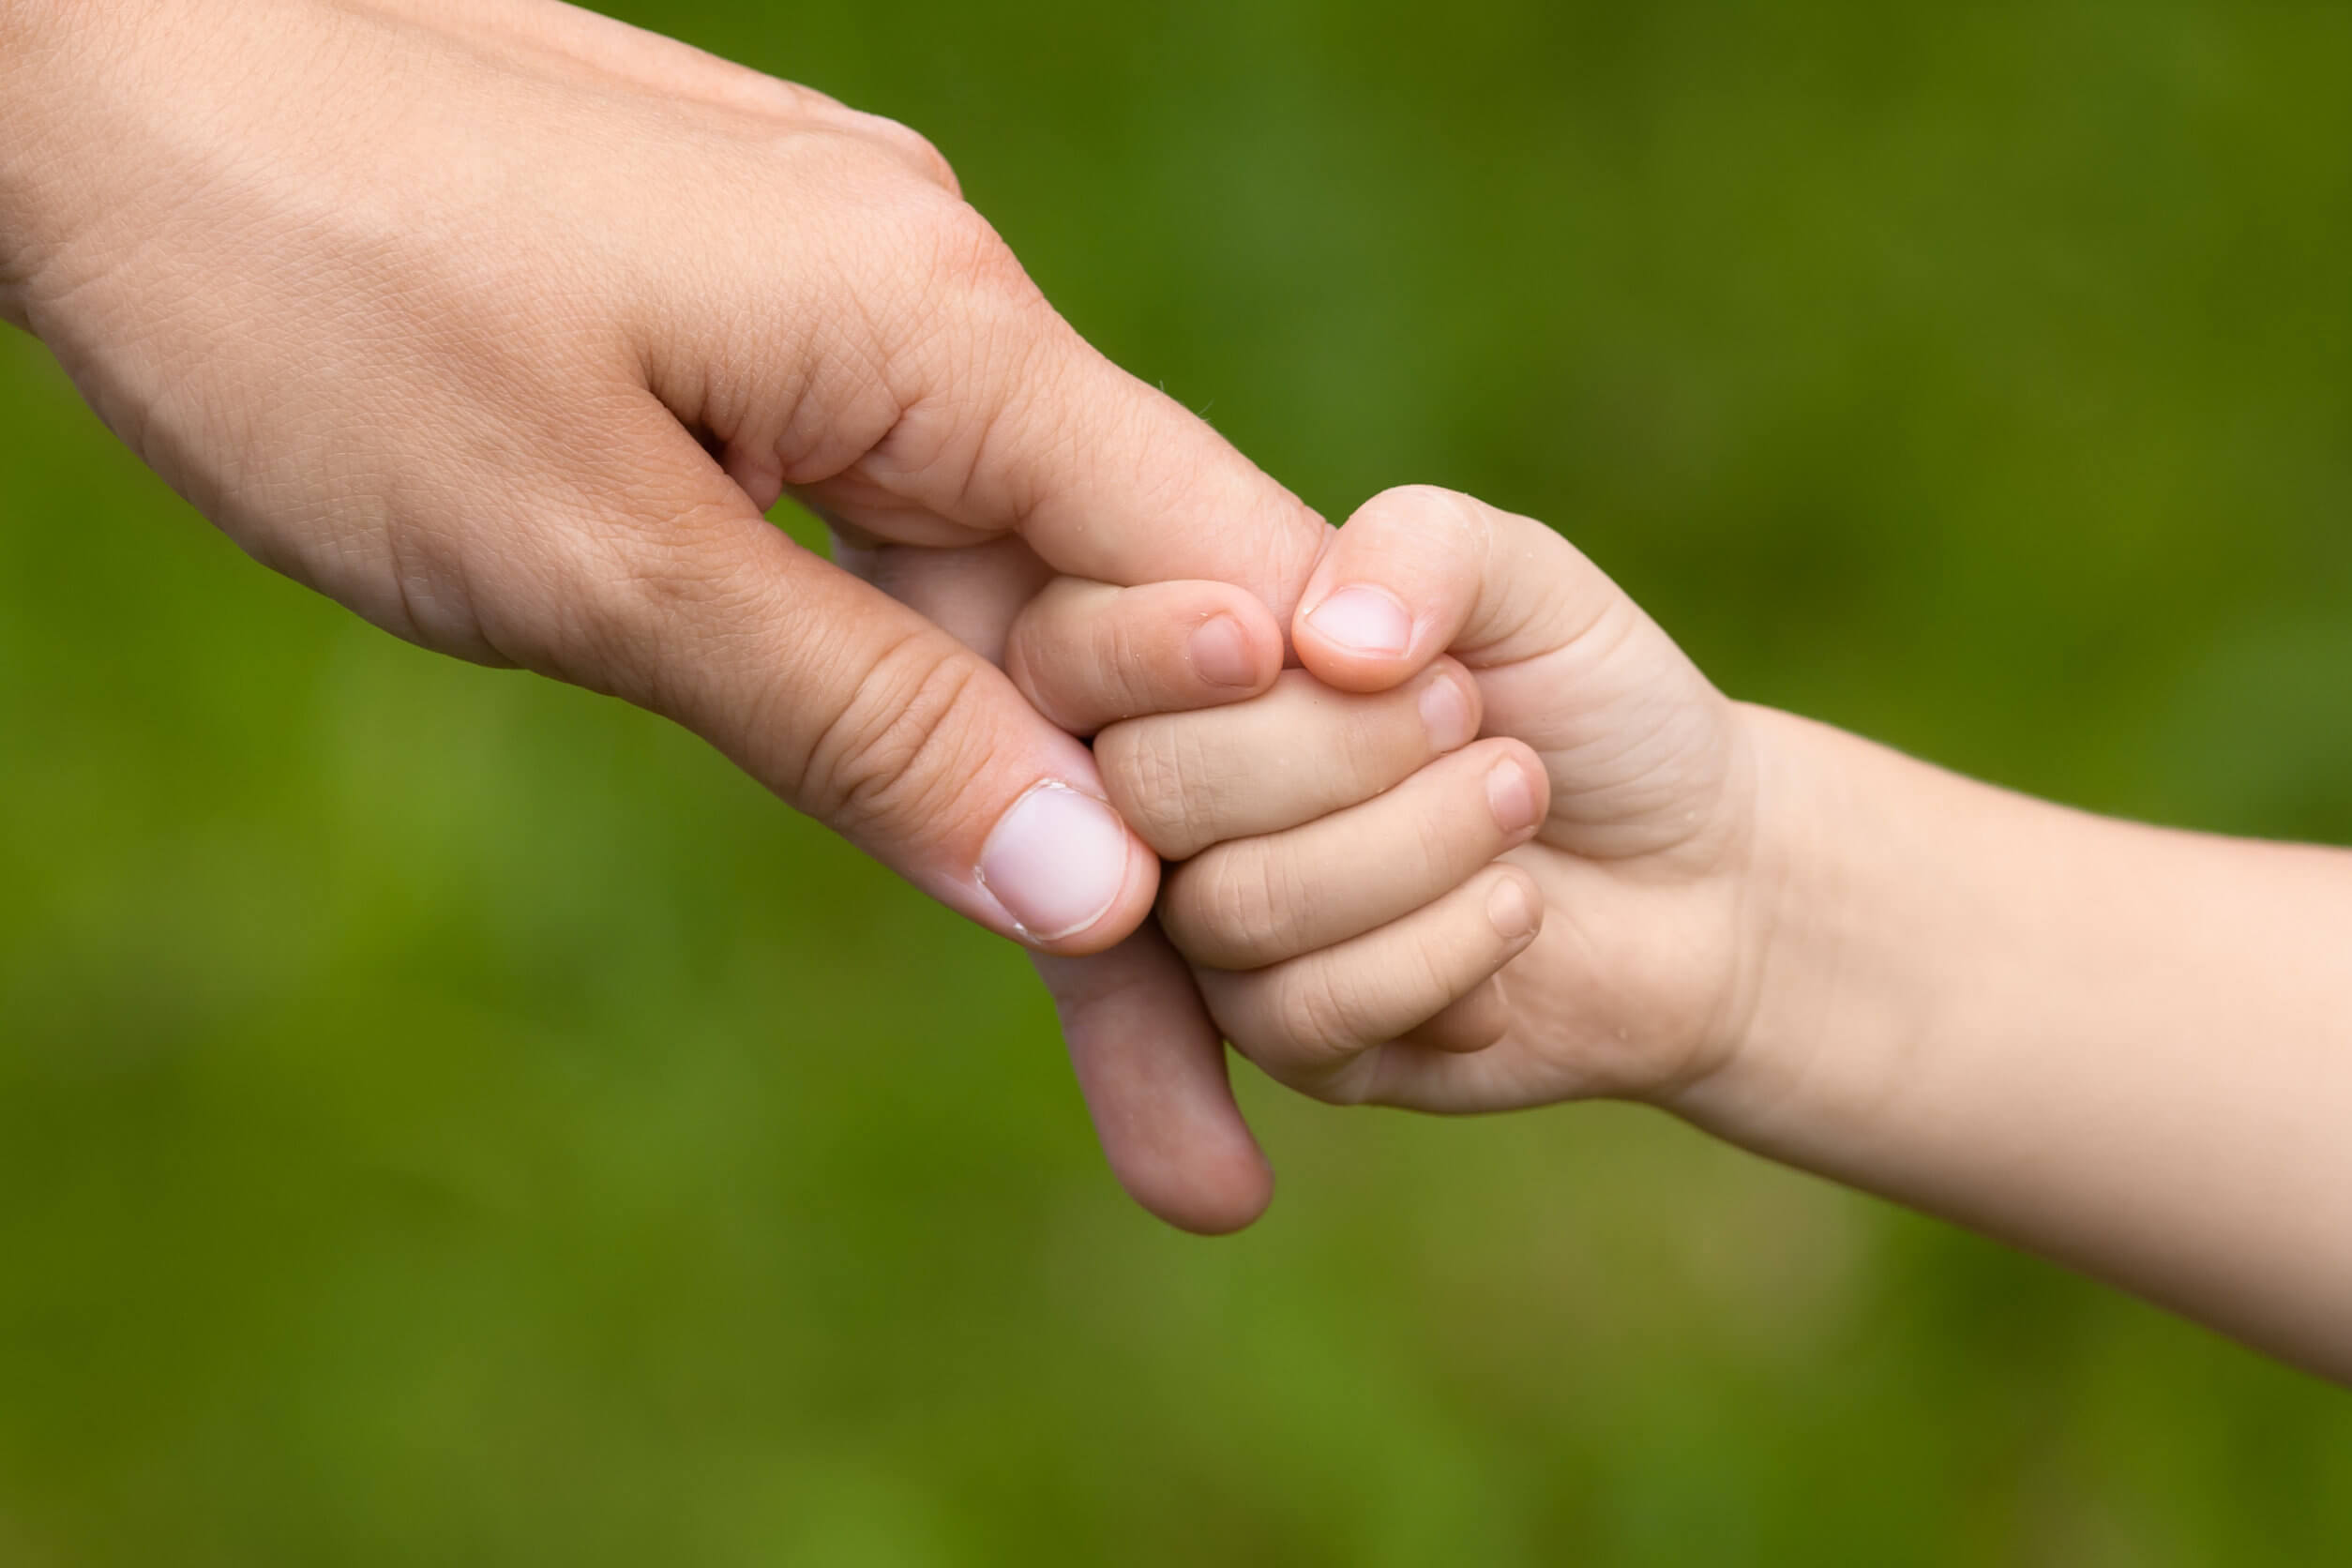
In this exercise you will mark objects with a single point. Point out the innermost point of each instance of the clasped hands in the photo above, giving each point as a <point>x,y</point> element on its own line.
<point>504,323</point>
<point>1497,844</point>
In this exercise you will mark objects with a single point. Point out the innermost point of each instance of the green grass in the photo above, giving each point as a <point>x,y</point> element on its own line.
<point>447,1119</point>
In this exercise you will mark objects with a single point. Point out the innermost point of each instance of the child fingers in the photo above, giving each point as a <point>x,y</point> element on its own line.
<point>1307,1022</point>
<point>1087,654</point>
<point>1639,746</point>
<point>1468,1023</point>
<point>1249,902</point>
<point>1418,569</point>
<point>1184,781</point>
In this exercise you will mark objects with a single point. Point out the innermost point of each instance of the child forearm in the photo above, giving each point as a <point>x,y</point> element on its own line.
<point>2125,1048</point>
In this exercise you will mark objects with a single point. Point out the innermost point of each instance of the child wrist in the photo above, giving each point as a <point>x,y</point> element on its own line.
<point>1818,1013</point>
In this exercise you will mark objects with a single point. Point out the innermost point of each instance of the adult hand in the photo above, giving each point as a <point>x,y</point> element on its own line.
<point>502,324</point>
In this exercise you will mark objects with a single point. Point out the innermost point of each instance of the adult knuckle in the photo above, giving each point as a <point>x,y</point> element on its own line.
<point>792,102</point>
<point>955,280</point>
<point>625,587</point>
<point>897,751</point>
<point>975,304</point>
<point>432,600</point>
<point>967,257</point>
<point>916,149</point>
<point>879,189</point>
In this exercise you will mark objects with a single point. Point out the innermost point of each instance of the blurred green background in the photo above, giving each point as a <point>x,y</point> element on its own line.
<point>445,1118</point>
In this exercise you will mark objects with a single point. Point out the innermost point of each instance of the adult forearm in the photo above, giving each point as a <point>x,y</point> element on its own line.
<point>2125,1048</point>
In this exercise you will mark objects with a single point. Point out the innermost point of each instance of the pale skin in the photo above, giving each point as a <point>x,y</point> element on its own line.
<point>502,322</point>
<point>2125,1048</point>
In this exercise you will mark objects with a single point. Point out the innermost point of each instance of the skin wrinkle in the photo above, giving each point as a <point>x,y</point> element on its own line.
<point>1174,782</point>
<point>1430,978</point>
<point>1611,747</point>
<point>1760,901</point>
<point>1311,1015</point>
<point>1115,673</point>
<point>1529,598</point>
<point>919,426</point>
<point>1190,785</point>
<point>876,465</point>
<point>1152,802</point>
<point>1239,896</point>
<point>1816,1001</point>
<point>864,758</point>
<point>815,774</point>
<point>1303,1024</point>
<point>910,339</point>
<point>470,553</point>
<point>430,314</point>
<point>1246,903</point>
<point>1230,892</point>
<point>766,700</point>
<point>842,433</point>
<point>1623,993</point>
<point>670,593</point>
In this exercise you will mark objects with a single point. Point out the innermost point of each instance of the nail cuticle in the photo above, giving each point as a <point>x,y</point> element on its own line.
<point>1055,863</point>
<point>1364,620</point>
<point>1220,653</point>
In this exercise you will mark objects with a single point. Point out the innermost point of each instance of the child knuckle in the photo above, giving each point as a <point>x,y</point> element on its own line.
<point>1146,782</point>
<point>1317,1014</point>
<point>1235,903</point>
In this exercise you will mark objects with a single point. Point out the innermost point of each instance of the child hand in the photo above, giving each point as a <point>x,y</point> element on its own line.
<point>2120,1045</point>
<point>1655,901</point>
<point>1340,886</point>
<point>1340,897</point>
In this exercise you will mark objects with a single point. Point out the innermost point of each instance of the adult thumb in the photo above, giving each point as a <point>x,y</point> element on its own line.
<point>1029,429</point>
<point>678,596</point>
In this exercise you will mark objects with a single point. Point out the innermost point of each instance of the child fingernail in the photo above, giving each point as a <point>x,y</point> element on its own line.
<point>1056,860</point>
<point>1220,653</point>
<point>1363,621</point>
<point>1445,708</point>
<point>1511,795</point>
<point>1511,910</point>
